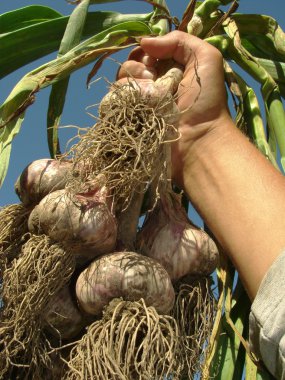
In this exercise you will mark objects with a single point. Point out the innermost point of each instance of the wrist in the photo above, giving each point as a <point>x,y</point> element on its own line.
<point>196,141</point>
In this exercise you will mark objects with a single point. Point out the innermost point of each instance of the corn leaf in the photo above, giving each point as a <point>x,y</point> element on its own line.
<point>42,38</point>
<point>260,28</point>
<point>205,17</point>
<point>265,46</point>
<point>263,374</point>
<point>255,23</point>
<point>228,362</point>
<point>254,121</point>
<point>55,108</point>
<point>6,138</point>
<point>209,367</point>
<point>160,23</point>
<point>250,369</point>
<point>274,68</point>
<point>74,28</point>
<point>262,32</point>
<point>201,23</point>
<point>71,38</point>
<point>11,111</point>
<point>271,95</point>
<point>26,16</point>
<point>261,35</point>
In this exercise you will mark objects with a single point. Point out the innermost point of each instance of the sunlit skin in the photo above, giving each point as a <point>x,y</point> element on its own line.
<point>236,190</point>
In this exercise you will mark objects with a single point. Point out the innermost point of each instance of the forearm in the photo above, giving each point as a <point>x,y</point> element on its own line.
<point>241,197</point>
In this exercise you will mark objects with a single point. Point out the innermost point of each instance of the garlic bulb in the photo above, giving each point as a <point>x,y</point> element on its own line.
<point>62,315</point>
<point>40,178</point>
<point>83,220</point>
<point>126,275</point>
<point>169,237</point>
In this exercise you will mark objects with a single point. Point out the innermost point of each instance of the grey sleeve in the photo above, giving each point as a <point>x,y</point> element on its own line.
<point>267,319</point>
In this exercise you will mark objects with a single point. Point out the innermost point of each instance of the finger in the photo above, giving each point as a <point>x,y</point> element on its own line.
<point>176,45</point>
<point>136,70</point>
<point>139,55</point>
<point>136,54</point>
<point>197,56</point>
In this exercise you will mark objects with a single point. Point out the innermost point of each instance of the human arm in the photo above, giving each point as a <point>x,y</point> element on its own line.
<point>236,190</point>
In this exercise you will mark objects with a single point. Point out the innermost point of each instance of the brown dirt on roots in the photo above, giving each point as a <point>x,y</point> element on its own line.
<point>13,227</point>
<point>41,269</point>
<point>194,312</point>
<point>125,145</point>
<point>131,341</point>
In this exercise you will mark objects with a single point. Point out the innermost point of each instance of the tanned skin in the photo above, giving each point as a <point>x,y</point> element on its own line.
<point>237,192</point>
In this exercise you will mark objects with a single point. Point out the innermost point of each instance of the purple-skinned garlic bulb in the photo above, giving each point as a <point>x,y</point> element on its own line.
<point>169,237</point>
<point>83,220</point>
<point>40,178</point>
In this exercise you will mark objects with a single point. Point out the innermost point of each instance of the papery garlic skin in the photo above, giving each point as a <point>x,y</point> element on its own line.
<point>184,252</point>
<point>83,220</point>
<point>62,315</point>
<point>128,275</point>
<point>40,178</point>
<point>170,238</point>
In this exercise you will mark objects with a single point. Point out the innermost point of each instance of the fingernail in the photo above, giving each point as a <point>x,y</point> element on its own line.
<point>148,60</point>
<point>147,74</point>
<point>149,38</point>
<point>152,37</point>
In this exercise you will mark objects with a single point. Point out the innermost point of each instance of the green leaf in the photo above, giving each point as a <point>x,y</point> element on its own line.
<point>33,41</point>
<point>274,68</point>
<point>250,369</point>
<point>74,28</point>
<point>253,49</point>
<point>24,17</point>
<point>266,46</point>
<point>270,92</point>
<point>263,374</point>
<point>263,31</point>
<point>255,23</point>
<point>229,357</point>
<point>254,121</point>
<point>202,20</point>
<point>159,22</point>
<point>6,137</point>
<point>71,38</point>
<point>229,362</point>
<point>11,111</point>
<point>37,40</point>
<point>276,122</point>
<point>55,108</point>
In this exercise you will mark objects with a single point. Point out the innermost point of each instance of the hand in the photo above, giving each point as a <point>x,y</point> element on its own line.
<point>201,94</point>
<point>227,179</point>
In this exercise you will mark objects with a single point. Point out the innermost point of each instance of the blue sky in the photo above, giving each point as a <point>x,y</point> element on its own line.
<point>31,144</point>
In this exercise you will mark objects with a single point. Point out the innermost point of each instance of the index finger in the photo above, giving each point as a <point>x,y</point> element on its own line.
<point>177,45</point>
